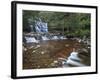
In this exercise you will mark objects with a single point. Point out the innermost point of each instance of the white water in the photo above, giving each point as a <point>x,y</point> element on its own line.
<point>34,40</point>
<point>45,38</point>
<point>74,63</point>
<point>73,59</point>
<point>31,39</point>
<point>41,26</point>
<point>55,38</point>
<point>62,37</point>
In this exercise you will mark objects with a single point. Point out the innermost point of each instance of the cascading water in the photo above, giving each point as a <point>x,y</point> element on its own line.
<point>41,29</point>
<point>41,26</point>
<point>55,38</point>
<point>74,59</point>
<point>78,59</point>
<point>63,37</point>
<point>31,40</point>
<point>45,38</point>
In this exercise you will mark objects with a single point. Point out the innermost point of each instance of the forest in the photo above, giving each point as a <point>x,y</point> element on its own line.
<point>73,24</point>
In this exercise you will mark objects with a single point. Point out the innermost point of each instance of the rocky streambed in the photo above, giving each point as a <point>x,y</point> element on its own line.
<point>55,53</point>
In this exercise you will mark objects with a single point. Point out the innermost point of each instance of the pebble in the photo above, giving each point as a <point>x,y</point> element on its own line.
<point>52,64</point>
<point>38,66</point>
<point>37,46</point>
<point>55,61</point>
<point>33,51</point>
<point>42,52</point>
<point>31,47</point>
<point>25,49</point>
<point>66,45</point>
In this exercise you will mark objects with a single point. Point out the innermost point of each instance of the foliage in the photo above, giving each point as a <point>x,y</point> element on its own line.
<point>76,24</point>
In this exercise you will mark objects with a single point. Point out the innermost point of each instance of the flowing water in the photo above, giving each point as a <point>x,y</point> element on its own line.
<point>41,26</point>
<point>55,53</point>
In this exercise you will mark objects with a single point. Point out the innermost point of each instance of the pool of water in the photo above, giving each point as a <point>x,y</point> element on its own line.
<point>53,54</point>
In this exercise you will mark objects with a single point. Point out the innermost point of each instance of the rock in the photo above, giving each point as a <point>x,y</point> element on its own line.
<point>83,52</point>
<point>37,46</point>
<point>31,47</point>
<point>24,49</point>
<point>55,61</point>
<point>33,51</point>
<point>42,52</point>
<point>66,45</point>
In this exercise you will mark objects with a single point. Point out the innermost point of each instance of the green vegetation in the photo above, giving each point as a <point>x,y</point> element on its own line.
<point>75,24</point>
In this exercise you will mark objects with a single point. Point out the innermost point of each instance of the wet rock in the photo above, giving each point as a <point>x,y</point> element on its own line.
<point>83,52</point>
<point>42,52</point>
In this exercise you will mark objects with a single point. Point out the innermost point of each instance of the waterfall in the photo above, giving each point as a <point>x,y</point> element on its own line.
<point>39,37</point>
<point>41,26</point>
<point>74,59</point>
<point>41,29</point>
<point>77,59</point>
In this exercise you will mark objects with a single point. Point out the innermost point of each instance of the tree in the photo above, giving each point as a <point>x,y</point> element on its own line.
<point>77,24</point>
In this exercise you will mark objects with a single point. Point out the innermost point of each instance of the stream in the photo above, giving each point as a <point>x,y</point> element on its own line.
<point>55,53</point>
